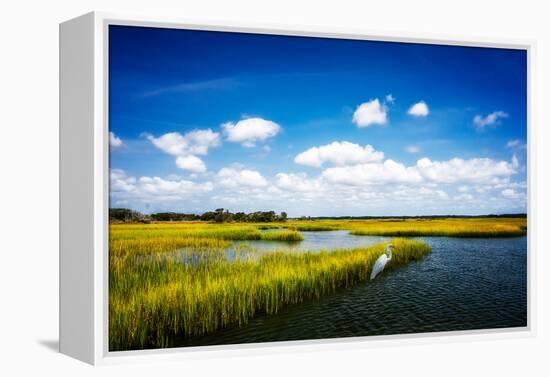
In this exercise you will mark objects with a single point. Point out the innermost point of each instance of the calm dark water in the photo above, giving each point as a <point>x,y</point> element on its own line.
<point>463,284</point>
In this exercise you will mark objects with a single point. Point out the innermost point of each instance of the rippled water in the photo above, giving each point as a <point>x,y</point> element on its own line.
<point>463,284</point>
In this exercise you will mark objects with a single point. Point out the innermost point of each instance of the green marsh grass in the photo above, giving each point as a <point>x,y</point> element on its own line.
<point>159,298</point>
<point>169,280</point>
<point>285,235</point>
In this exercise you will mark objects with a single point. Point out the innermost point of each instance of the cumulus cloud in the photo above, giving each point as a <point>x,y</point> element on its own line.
<point>412,149</point>
<point>370,113</point>
<point>298,182</point>
<point>125,188</point>
<point>338,153</point>
<point>186,147</point>
<point>114,141</point>
<point>249,131</point>
<point>492,119</point>
<point>156,185</point>
<point>372,173</point>
<point>119,181</point>
<point>457,169</point>
<point>191,163</point>
<point>236,177</point>
<point>390,98</point>
<point>478,170</point>
<point>355,180</point>
<point>192,143</point>
<point>419,109</point>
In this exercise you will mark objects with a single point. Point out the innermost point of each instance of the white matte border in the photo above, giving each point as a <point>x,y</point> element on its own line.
<point>101,196</point>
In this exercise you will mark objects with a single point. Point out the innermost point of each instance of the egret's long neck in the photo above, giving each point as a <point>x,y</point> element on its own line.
<point>388,251</point>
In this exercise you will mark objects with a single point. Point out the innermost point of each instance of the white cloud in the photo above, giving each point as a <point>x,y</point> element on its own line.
<point>235,177</point>
<point>369,113</point>
<point>508,193</point>
<point>515,162</point>
<point>412,149</point>
<point>146,190</point>
<point>390,98</point>
<point>372,173</point>
<point>186,147</point>
<point>463,197</point>
<point>339,154</point>
<point>419,109</point>
<point>492,119</point>
<point>192,143</point>
<point>156,185</point>
<point>516,144</point>
<point>191,163</point>
<point>114,140</point>
<point>459,170</point>
<point>298,182</point>
<point>216,84</point>
<point>456,170</point>
<point>433,193</point>
<point>251,130</point>
<point>120,182</point>
<point>346,186</point>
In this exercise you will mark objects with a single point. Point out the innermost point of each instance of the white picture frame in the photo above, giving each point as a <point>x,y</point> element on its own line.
<point>84,164</point>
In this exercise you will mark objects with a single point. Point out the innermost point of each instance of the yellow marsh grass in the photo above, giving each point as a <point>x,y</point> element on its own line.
<point>152,300</point>
<point>484,227</point>
<point>198,231</point>
<point>450,227</point>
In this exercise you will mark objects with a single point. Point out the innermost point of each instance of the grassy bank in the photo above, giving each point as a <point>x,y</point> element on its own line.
<point>197,231</point>
<point>484,227</point>
<point>154,299</point>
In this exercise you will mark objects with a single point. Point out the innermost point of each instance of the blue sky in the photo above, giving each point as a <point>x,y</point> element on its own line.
<point>313,126</point>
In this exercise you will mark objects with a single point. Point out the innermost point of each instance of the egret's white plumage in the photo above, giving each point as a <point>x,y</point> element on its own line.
<point>381,262</point>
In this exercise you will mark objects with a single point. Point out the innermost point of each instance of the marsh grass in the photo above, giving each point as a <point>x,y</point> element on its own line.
<point>314,227</point>
<point>151,303</point>
<point>285,235</point>
<point>159,245</point>
<point>474,228</point>
<point>169,280</point>
<point>185,230</point>
<point>269,226</point>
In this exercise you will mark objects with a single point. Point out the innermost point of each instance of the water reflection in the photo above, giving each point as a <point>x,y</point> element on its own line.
<point>254,249</point>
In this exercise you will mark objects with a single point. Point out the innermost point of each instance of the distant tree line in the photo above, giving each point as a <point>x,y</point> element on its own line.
<point>219,215</point>
<point>222,215</point>
<point>126,215</point>
<point>427,217</point>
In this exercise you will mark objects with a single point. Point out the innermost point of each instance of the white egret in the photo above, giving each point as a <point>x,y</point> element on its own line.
<point>381,262</point>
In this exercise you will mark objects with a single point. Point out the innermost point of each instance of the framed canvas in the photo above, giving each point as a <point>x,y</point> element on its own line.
<point>234,187</point>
